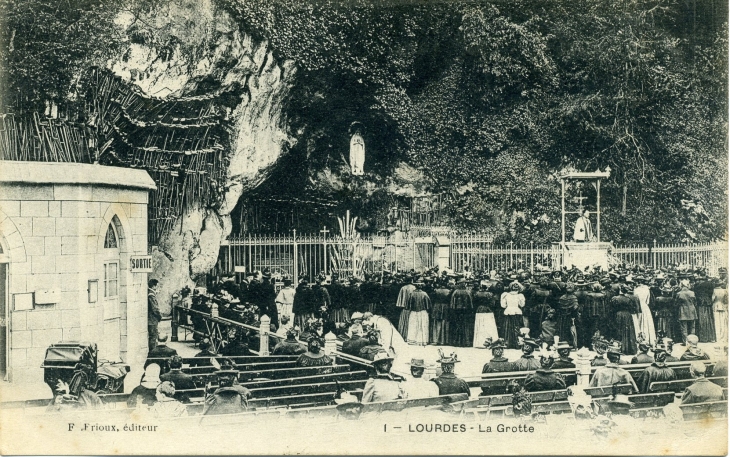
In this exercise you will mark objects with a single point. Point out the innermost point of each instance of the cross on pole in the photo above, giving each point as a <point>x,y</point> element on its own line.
<point>579,199</point>
<point>324,233</point>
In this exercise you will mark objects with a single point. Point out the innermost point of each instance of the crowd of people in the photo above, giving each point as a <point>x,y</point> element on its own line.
<point>632,312</point>
<point>630,305</point>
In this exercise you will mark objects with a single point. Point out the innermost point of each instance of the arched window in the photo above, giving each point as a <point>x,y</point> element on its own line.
<point>110,240</point>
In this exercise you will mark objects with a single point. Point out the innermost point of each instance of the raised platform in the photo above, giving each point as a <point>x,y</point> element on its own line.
<point>584,255</point>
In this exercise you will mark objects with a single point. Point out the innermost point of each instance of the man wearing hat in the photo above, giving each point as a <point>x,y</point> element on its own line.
<point>383,386</point>
<point>417,387</point>
<point>356,342</point>
<point>289,346</point>
<point>564,360</point>
<point>657,371</point>
<point>611,373</point>
<point>448,383</point>
<point>702,390</point>
<point>528,362</point>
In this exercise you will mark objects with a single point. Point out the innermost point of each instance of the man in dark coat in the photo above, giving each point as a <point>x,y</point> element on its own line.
<point>686,304</point>
<point>702,390</point>
<point>289,346</point>
<point>448,383</point>
<point>658,371</point>
<point>544,378</point>
<point>153,313</point>
<point>162,350</point>
<point>181,381</point>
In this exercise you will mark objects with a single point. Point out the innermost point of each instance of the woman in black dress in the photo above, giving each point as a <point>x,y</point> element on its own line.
<point>623,323</point>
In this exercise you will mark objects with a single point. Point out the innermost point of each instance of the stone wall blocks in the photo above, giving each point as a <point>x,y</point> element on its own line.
<point>44,226</point>
<point>31,208</point>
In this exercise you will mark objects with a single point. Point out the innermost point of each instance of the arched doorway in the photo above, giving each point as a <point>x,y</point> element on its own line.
<point>110,289</point>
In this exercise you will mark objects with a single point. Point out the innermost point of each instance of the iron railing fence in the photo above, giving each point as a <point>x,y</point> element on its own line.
<point>309,255</point>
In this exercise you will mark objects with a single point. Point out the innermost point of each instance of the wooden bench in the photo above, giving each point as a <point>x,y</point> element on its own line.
<point>399,405</point>
<point>681,369</point>
<point>243,360</point>
<point>318,378</point>
<point>550,401</point>
<point>680,385</point>
<point>253,366</point>
<point>276,373</point>
<point>704,411</point>
<point>497,383</point>
<point>606,391</point>
<point>301,389</point>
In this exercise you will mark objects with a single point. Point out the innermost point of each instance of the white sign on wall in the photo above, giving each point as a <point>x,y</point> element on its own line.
<point>141,263</point>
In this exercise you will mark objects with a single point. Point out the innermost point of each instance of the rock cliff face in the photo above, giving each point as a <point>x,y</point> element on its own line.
<point>184,47</point>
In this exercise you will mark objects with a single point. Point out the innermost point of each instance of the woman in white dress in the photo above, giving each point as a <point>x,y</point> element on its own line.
<point>644,322</point>
<point>719,307</point>
<point>484,324</point>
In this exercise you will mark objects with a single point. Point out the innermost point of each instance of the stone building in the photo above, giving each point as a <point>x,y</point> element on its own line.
<point>73,262</point>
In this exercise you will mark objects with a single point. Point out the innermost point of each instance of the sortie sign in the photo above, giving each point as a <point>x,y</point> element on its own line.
<point>141,263</point>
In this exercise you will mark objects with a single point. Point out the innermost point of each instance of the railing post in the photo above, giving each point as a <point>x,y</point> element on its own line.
<point>330,345</point>
<point>532,257</point>
<point>429,372</point>
<point>584,367</point>
<point>175,317</point>
<point>264,329</point>
<point>653,255</point>
<point>295,279</point>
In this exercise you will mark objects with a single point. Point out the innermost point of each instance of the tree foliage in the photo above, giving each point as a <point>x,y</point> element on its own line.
<point>44,45</point>
<point>489,100</point>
